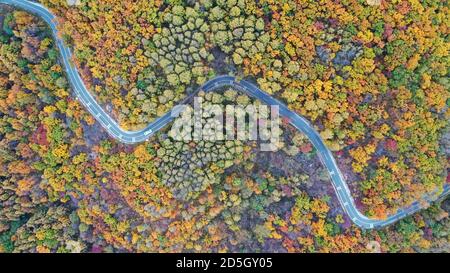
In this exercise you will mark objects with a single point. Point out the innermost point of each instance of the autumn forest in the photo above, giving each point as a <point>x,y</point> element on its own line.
<point>371,76</point>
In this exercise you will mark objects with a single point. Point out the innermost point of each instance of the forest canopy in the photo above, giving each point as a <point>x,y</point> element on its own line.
<point>371,76</point>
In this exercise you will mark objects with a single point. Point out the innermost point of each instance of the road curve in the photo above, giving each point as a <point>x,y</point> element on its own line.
<point>300,123</point>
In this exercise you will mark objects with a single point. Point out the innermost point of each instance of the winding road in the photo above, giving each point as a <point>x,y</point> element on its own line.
<point>300,123</point>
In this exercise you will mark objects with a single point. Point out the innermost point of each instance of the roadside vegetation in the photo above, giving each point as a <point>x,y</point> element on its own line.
<point>373,79</point>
